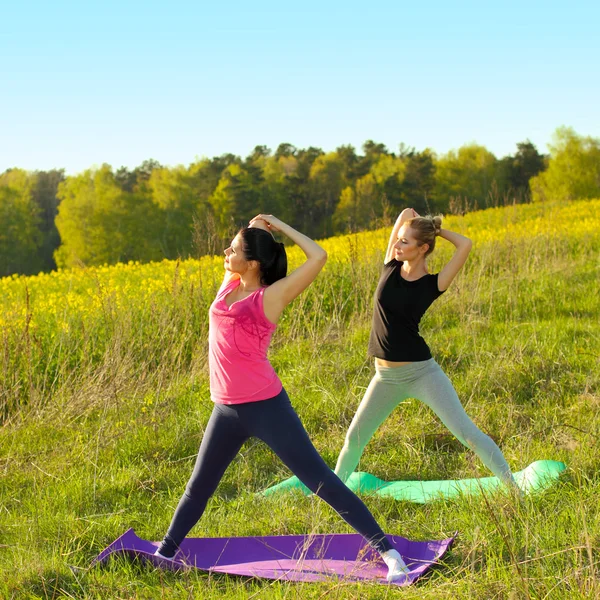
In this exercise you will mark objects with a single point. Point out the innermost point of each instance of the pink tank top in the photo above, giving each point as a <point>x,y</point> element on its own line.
<point>238,340</point>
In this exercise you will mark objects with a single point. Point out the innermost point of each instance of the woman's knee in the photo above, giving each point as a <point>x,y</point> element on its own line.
<point>203,479</point>
<point>194,487</point>
<point>354,440</point>
<point>475,439</point>
<point>330,487</point>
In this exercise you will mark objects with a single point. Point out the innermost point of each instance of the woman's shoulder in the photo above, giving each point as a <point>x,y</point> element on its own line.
<point>228,285</point>
<point>392,263</point>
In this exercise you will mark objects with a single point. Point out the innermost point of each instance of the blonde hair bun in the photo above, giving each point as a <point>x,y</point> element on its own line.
<point>426,229</point>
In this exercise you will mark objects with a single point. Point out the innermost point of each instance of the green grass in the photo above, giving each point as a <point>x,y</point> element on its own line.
<point>113,446</point>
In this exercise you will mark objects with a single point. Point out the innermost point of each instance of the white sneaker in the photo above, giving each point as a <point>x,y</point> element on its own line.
<point>171,558</point>
<point>397,568</point>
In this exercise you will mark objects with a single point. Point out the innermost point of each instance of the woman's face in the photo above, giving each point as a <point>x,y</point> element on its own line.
<point>407,247</point>
<point>234,257</point>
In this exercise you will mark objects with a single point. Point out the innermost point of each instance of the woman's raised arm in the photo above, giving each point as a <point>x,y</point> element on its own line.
<point>278,295</point>
<point>463,247</point>
<point>407,213</point>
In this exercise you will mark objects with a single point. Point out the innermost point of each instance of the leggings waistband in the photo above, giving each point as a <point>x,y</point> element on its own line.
<point>406,372</point>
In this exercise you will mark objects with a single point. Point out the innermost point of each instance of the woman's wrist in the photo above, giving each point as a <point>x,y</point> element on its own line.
<point>286,229</point>
<point>455,238</point>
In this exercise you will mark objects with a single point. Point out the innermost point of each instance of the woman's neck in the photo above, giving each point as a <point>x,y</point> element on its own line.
<point>249,283</point>
<point>415,267</point>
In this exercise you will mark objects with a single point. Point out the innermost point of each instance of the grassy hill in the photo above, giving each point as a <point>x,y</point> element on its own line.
<point>104,396</point>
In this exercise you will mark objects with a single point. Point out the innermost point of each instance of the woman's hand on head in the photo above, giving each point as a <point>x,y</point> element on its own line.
<point>259,224</point>
<point>408,213</point>
<point>272,223</point>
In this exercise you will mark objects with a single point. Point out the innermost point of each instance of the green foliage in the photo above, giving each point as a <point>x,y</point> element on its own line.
<point>299,199</point>
<point>524,165</point>
<point>573,170</point>
<point>128,180</point>
<point>20,221</point>
<point>109,438</point>
<point>372,152</point>
<point>326,180</point>
<point>45,196</point>
<point>347,154</point>
<point>419,181</point>
<point>466,174</point>
<point>175,193</point>
<point>154,212</point>
<point>99,223</point>
<point>235,198</point>
<point>358,205</point>
<point>279,175</point>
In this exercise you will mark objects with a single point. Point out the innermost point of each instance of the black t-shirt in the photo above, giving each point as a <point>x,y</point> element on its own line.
<point>399,306</point>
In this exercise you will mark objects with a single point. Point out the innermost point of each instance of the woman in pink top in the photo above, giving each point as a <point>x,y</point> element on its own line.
<point>249,398</point>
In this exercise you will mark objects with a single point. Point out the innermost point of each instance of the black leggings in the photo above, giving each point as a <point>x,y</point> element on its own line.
<point>275,422</point>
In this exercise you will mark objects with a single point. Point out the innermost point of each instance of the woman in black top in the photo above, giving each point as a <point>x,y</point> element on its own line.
<point>403,363</point>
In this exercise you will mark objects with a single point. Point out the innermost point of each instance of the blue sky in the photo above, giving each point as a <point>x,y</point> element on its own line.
<point>83,83</point>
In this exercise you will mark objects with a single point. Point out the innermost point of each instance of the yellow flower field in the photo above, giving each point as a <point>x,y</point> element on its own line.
<point>57,300</point>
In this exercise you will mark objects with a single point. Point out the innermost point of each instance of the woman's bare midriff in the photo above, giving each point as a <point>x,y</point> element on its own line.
<point>390,363</point>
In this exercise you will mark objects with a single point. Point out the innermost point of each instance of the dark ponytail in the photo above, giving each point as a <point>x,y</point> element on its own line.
<point>259,245</point>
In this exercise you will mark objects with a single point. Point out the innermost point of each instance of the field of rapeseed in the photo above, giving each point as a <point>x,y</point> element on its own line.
<point>59,325</point>
<point>103,393</point>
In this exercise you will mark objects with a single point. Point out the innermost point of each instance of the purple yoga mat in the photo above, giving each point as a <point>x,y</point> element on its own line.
<point>288,557</point>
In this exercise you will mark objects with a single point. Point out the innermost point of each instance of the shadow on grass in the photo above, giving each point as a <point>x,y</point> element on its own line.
<point>442,442</point>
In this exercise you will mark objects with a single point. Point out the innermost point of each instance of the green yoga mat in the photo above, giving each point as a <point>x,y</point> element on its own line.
<point>538,476</point>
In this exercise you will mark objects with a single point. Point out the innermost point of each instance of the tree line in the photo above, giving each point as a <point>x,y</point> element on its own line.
<point>104,216</point>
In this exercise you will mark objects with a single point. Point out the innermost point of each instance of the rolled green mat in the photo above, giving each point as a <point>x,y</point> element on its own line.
<point>538,476</point>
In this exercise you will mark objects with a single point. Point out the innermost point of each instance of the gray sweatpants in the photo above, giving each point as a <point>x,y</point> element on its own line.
<point>425,381</point>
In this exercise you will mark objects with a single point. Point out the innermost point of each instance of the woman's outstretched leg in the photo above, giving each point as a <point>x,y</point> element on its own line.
<point>281,429</point>
<point>221,442</point>
<point>435,389</point>
<point>380,399</point>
